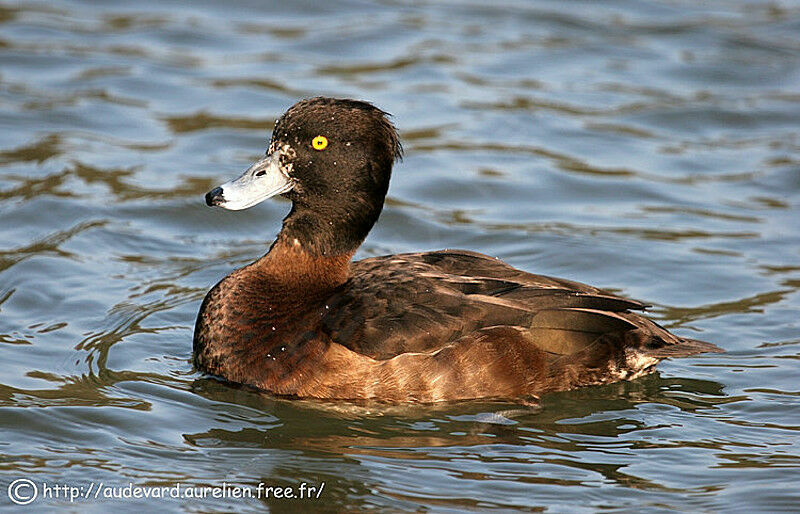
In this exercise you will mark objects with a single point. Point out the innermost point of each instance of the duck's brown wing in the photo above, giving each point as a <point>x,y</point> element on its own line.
<point>421,302</point>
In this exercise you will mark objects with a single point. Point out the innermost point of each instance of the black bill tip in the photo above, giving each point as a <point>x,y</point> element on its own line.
<point>214,197</point>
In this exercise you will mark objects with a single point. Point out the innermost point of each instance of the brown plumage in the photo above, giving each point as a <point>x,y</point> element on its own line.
<point>306,321</point>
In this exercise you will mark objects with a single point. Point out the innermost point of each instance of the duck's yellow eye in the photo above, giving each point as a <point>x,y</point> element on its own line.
<point>319,142</point>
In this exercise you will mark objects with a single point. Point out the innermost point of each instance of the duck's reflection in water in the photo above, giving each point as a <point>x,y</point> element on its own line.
<point>588,436</point>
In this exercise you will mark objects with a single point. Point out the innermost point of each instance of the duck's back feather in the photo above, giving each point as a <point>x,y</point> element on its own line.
<point>421,302</point>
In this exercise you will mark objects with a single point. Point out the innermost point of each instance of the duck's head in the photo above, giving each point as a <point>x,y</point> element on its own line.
<point>333,159</point>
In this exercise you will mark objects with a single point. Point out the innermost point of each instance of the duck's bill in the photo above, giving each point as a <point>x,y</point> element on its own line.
<point>262,180</point>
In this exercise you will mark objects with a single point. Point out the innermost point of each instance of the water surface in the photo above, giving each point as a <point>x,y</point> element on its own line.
<point>652,148</point>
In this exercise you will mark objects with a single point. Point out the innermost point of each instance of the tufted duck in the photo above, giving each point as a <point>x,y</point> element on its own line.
<point>305,321</point>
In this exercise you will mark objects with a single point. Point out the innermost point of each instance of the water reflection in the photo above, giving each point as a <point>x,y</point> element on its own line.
<point>588,435</point>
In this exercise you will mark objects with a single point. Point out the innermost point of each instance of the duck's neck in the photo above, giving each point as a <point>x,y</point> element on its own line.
<point>290,266</point>
<point>333,225</point>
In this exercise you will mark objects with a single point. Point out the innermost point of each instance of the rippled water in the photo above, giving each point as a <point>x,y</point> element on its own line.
<point>648,147</point>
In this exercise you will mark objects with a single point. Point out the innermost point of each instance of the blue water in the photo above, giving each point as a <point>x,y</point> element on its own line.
<point>651,148</point>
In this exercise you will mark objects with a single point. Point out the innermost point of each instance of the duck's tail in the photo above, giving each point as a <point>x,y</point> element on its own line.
<point>682,347</point>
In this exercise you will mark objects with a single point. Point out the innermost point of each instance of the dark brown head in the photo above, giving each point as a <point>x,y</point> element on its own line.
<point>333,159</point>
